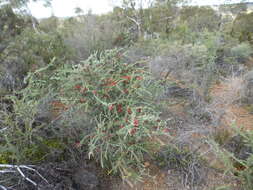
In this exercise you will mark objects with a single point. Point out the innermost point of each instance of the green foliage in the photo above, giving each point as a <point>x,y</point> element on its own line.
<point>23,141</point>
<point>174,157</point>
<point>11,25</point>
<point>242,51</point>
<point>104,107</point>
<point>222,136</point>
<point>199,19</point>
<point>49,25</point>
<point>28,52</point>
<point>160,19</point>
<point>243,27</point>
<point>115,97</point>
<point>90,33</point>
<point>37,48</point>
<point>22,3</point>
<point>240,167</point>
<point>234,8</point>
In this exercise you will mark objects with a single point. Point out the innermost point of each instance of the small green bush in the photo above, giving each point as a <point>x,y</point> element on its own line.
<point>242,51</point>
<point>28,52</point>
<point>238,157</point>
<point>24,141</point>
<point>243,27</point>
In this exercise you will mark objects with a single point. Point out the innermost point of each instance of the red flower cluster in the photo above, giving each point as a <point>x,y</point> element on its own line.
<point>110,82</point>
<point>77,87</point>
<point>113,83</point>
<point>119,108</point>
<point>139,78</point>
<point>126,77</point>
<point>126,91</point>
<point>133,131</point>
<point>129,111</point>
<point>111,107</point>
<point>83,90</point>
<point>136,123</point>
<point>166,130</point>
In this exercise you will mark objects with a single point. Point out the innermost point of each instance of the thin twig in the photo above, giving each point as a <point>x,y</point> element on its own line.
<point>18,168</point>
<point>26,178</point>
<point>7,171</point>
<point>3,188</point>
<point>29,168</point>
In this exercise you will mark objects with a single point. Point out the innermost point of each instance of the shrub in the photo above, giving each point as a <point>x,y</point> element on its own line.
<point>115,98</point>
<point>11,25</point>
<point>30,51</point>
<point>242,51</point>
<point>37,49</point>
<point>238,157</point>
<point>23,141</point>
<point>186,164</point>
<point>112,101</point>
<point>91,33</point>
<point>242,27</point>
<point>199,19</point>
<point>192,63</point>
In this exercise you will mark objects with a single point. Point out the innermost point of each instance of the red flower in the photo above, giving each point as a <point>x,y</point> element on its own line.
<point>126,77</point>
<point>78,87</point>
<point>126,91</point>
<point>133,131</point>
<point>78,144</point>
<point>139,110</point>
<point>119,108</point>
<point>136,123</point>
<point>112,83</point>
<point>111,107</point>
<point>129,111</point>
<point>121,127</point>
<point>166,130</point>
<point>139,78</point>
<point>83,90</point>
<point>94,92</point>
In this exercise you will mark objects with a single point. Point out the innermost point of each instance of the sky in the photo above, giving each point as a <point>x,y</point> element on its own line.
<point>65,8</point>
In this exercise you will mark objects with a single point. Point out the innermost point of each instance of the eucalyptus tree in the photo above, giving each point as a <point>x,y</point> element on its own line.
<point>21,7</point>
<point>149,16</point>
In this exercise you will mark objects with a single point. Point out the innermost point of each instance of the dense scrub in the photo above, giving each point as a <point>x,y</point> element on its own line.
<point>128,91</point>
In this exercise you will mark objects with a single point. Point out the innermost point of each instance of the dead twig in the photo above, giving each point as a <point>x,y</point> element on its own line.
<point>2,187</point>
<point>17,169</point>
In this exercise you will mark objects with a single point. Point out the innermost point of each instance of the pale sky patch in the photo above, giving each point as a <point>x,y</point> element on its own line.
<point>65,8</point>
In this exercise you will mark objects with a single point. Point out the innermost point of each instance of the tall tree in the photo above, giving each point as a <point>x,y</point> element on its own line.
<point>143,13</point>
<point>22,7</point>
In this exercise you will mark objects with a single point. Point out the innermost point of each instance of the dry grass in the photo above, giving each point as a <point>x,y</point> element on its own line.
<point>227,92</point>
<point>226,98</point>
